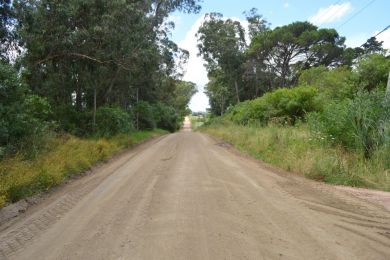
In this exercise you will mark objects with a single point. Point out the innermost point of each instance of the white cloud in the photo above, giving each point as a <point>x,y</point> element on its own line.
<point>385,37</point>
<point>195,71</point>
<point>331,13</point>
<point>286,5</point>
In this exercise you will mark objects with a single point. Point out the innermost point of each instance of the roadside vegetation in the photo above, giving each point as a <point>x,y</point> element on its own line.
<point>60,158</point>
<point>81,80</point>
<point>331,131</point>
<point>296,149</point>
<point>298,98</point>
<point>198,119</point>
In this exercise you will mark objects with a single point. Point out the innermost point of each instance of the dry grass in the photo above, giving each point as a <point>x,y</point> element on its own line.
<point>294,149</point>
<point>67,155</point>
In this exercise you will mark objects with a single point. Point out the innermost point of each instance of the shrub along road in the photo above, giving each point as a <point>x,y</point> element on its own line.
<point>187,196</point>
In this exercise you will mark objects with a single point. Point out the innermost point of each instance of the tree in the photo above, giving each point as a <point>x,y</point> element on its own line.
<point>256,23</point>
<point>285,51</point>
<point>352,56</point>
<point>22,115</point>
<point>333,84</point>
<point>182,96</point>
<point>372,46</point>
<point>7,36</point>
<point>373,71</point>
<point>218,93</point>
<point>12,96</point>
<point>222,44</point>
<point>83,55</point>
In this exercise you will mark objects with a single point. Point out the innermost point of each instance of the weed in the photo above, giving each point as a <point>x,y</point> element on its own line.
<point>294,148</point>
<point>21,177</point>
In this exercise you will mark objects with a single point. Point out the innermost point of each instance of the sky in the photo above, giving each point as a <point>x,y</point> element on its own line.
<point>357,20</point>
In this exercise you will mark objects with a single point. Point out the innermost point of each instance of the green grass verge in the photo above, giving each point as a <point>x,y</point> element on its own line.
<point>65,156</point>
<point>294,149</point>
<point>197,121</point>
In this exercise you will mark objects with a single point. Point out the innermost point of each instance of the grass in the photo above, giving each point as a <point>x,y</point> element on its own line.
<point>197,121</point>
<point>67,155</point>
<point>294,149</point>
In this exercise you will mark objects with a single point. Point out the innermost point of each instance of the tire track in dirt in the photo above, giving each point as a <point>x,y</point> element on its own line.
<point>189,197</point>
<point>23,233</point>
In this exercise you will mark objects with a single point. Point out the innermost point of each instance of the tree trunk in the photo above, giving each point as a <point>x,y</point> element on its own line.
<point>137,116</point>
<point>256,85</point>
<point>111,85</point>
<point>283,79</point>
<point>388,86</point>
<point>222,105</point>
<point>78,97</point>
<point>237,94</point>
<point>94,110</point>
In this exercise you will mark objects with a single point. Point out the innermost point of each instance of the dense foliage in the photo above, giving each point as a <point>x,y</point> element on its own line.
<point>361,123</point>
<point>239,70</point>
<point>283,106</point>
<point>112,120</point>
<point>23,116</point>
<point>337,104</point>
<point>298,72</point>
<point>90,67</point>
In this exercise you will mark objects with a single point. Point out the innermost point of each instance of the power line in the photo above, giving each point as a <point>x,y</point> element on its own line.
<point>357,13</point>
<point>381,31</point>
<point>387,27</point>
<point>325,13</point>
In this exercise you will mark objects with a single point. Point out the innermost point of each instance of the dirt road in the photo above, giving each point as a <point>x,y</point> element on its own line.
<point>187,196</point>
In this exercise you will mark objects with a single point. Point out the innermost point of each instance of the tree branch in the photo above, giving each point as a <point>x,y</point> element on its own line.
<point>83,56</point>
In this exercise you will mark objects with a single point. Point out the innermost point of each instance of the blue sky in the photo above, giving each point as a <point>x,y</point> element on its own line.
<point>357,20</point>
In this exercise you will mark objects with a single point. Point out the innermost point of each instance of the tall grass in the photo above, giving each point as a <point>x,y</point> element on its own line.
<point>293,148</point>
<point>66,155</point>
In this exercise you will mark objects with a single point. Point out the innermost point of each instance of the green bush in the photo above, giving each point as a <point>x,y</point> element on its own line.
<point>373,71</point>
<point>22,116</point>
<point>144,116</point>
<point>113,120</point>
<point>283,105</point>
<point>370,114</point>
<point>333,123</point>
<point>75,122</point>
<point>39,111</point>
<point>149,116</point>
<point>38,107</point>
<point>291,103</point>
<point>166,117</point>
<point>361,123</point>
<point>240,113</point>
<point>13,117</point>
<point>336,83</point>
